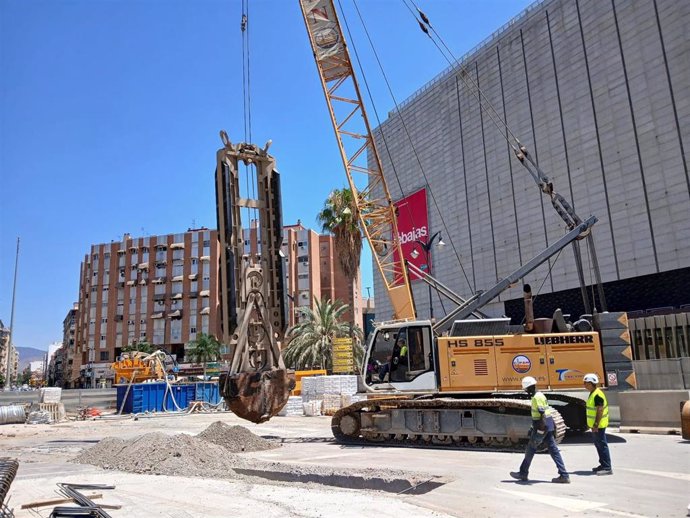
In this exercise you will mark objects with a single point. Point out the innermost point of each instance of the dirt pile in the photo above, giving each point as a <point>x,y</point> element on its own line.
<point>161,454</point>
<point>236,438</point>
<point>213,454</point>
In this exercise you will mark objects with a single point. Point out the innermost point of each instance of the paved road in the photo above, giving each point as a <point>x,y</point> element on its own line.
<point>652,474</point>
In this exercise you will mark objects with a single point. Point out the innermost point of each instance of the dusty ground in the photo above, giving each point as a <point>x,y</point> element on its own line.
<point>652,475</point>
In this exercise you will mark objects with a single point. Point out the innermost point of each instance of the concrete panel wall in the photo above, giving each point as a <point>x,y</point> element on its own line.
<point>598,92</point>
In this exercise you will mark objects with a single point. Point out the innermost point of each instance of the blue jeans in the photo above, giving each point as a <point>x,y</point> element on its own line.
<point>555,453</point>
<point>602,448</point>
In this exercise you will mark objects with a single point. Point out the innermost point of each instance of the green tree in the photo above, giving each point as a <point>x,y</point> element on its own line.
<point>310,340</point>
<point>2,380</point>
<point>24,377</point>
<point>205,348</point>
<point>143,346</point>
<point>339,217</point>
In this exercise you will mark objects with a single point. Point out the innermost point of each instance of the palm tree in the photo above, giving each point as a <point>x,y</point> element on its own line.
<point>143,346</point>
<point>310,340</point>
<point>205,348</point>
<point>340,218</point>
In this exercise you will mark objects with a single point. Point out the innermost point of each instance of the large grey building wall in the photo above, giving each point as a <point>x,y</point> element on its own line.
<point>599,92</point>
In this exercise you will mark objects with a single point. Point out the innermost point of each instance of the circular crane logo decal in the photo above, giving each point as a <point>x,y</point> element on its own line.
<point>521,364</point>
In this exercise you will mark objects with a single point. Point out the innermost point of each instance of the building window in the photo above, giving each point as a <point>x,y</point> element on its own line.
<point>104,355</point>
<point>104,320</point>
<point>176,330</point>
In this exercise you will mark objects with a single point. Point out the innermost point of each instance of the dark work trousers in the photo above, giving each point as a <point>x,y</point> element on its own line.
<point>602,448</point>
<point>555,453</point>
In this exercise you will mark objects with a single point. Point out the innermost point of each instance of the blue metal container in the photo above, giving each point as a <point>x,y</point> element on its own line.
<point>152,397</point>
<point>142,397</point>
<point>208,392</point>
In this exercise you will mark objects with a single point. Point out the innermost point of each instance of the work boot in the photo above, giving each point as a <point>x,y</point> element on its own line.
<point>518,476</point>
<point>598,469</point>
<point>603,471</point>
<point>561,480</point>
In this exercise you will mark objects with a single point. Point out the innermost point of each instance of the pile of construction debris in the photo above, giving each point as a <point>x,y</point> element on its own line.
<point>236,438</point>
<point>211,453</point>
<point>216,453</point>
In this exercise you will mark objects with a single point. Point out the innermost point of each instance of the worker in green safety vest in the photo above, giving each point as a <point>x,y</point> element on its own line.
<point>543,431</point>
<point>598,420</point>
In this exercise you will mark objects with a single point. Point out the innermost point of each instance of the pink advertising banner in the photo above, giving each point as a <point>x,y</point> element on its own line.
<point>413,229</point>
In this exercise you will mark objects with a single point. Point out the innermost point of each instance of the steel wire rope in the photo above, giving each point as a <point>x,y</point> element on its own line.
<point>249,171</point>
<point>483,101</point>
<point>402,120</point>
<point>591,281</point>
<point>465,75</point>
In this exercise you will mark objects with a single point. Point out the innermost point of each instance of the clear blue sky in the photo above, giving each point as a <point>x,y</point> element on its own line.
<point>110,111</point>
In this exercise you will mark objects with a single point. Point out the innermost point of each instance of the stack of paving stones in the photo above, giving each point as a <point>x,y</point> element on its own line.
<point>293,407</point>
<point>313,388</point>
<point>615,342</point>
<point>333,392</point>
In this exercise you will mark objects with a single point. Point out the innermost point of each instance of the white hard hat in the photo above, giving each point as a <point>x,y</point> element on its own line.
<point>528,381</point>
<point>591,378</point>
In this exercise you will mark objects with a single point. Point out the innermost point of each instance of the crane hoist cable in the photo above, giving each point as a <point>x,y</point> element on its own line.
<point>246,79</point>
<point>247,103</point>
<point>402,120</point>
<point>560,204</point>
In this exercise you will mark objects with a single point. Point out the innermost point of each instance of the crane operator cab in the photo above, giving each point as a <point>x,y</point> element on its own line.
<point>401,356</point>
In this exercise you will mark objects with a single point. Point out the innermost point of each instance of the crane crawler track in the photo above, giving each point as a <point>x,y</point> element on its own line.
<point>358,436</point>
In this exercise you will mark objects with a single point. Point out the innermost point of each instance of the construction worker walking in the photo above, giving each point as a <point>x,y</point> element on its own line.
<point>543,430</point>
<point>598,420</point>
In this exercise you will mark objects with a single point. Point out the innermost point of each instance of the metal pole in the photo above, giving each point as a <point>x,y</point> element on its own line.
<point>597,274</point>
<point>581,277</point>
<point>9,343</point>
<point>427,249</point>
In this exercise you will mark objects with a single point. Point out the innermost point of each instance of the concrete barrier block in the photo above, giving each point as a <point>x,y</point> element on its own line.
<point>642,409</point>
<point>618,353</point>
<point>664,374</point>
<point>614,337</point>
<point>614,320</point>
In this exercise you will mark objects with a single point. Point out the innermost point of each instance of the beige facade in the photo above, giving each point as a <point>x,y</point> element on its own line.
<point>64,376</point>
<point>312,270</point>
<point>159,289</point>
<point>4,348</point>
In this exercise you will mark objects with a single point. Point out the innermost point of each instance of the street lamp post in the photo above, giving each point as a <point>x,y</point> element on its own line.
<point>426,247</point>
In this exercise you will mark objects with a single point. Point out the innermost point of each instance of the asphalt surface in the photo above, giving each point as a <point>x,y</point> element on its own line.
<point>651,475</point>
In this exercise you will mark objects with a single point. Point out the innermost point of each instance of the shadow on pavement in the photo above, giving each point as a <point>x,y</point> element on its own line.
<point>583,473</point>
<point>586,438</point>
<point>525,482</point>
<point>298,440</point>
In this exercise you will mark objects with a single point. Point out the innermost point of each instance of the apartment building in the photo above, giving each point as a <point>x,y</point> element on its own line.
<point>5,349</point>
<point>63,376</point>
<point>159,289</point>
<point>312,270</point>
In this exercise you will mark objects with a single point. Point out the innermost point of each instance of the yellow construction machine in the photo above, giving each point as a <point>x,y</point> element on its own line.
<point>137,366</point>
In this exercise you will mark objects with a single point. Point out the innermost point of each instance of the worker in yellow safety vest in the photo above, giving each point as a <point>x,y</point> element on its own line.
<point>543,431</point>
<point>598,420</point>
